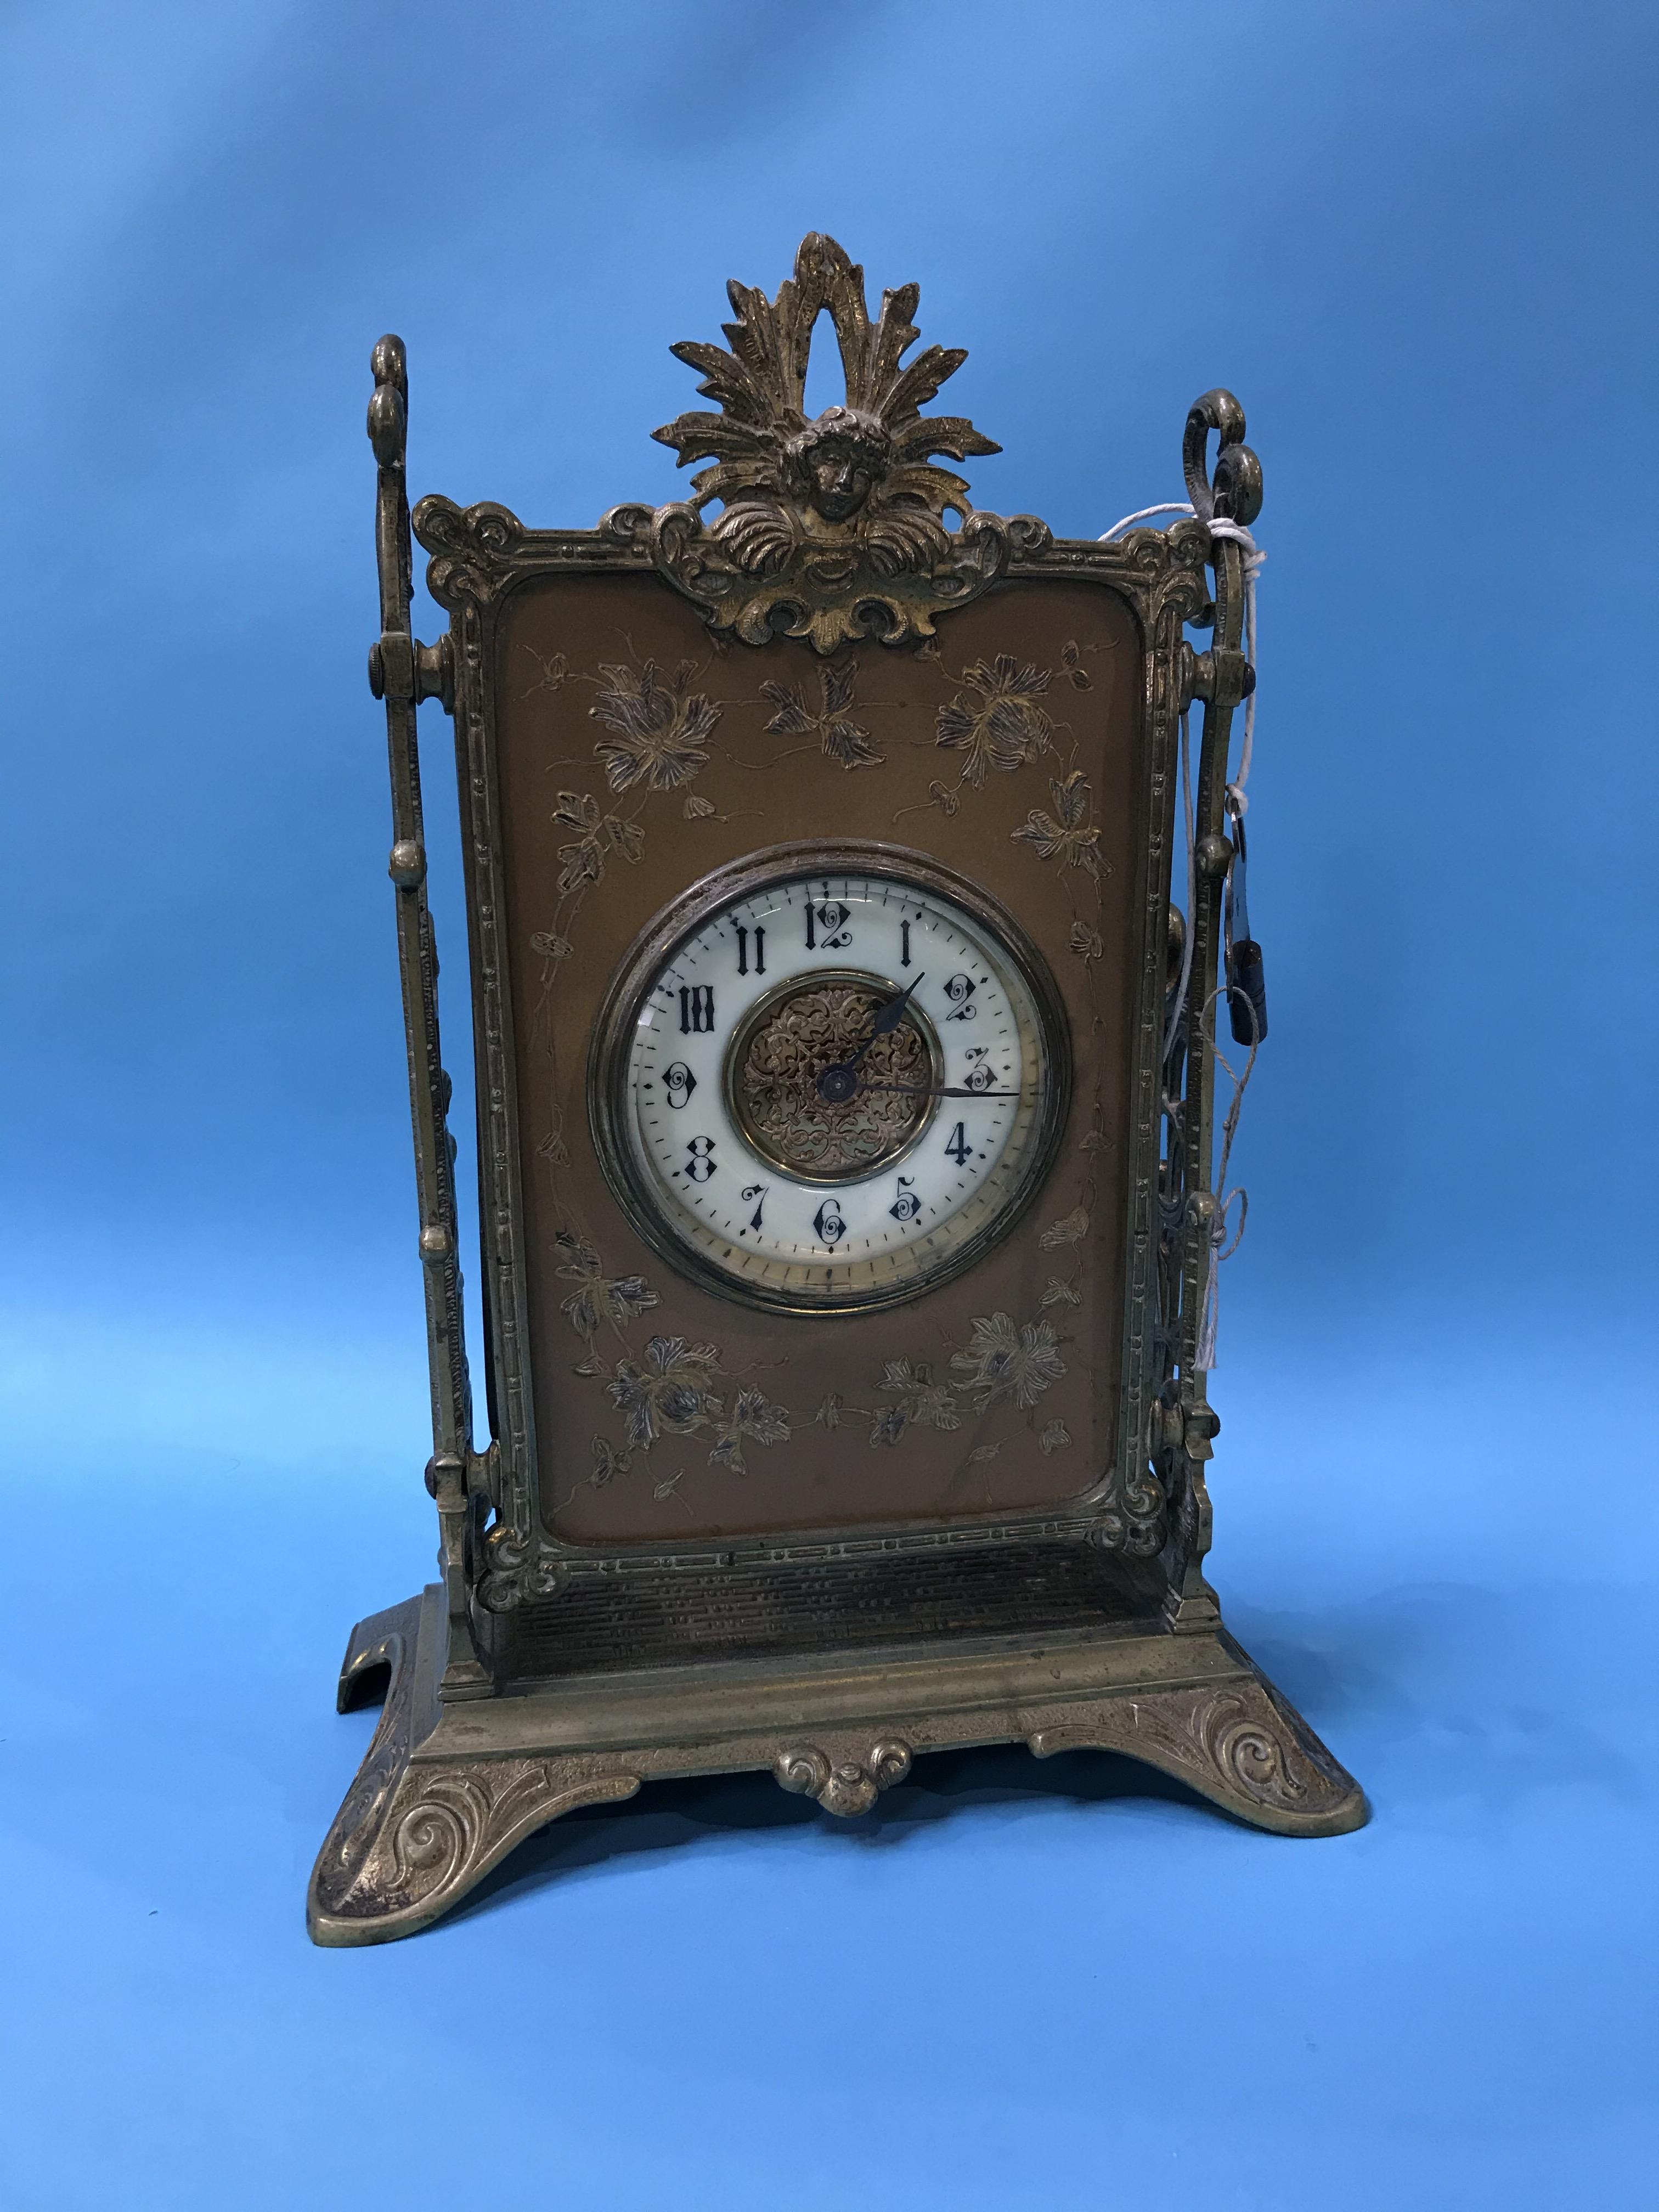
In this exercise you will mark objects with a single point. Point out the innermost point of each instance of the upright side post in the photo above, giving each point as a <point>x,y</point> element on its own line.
<point>1223,679</point>
<point>403,673</point>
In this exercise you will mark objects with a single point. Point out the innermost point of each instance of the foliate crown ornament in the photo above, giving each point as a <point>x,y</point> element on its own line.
<point>833,528</point>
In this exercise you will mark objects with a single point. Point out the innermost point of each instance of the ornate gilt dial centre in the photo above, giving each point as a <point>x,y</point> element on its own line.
<point>816,1024</point>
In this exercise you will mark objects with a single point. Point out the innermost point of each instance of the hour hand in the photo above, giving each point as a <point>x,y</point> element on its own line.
<point>887,1017</point>
<point>837,1083</point>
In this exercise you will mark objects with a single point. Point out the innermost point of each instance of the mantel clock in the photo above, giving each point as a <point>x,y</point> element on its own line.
<point>844,1080</point>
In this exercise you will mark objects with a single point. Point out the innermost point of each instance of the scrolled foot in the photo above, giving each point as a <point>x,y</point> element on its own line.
<point>414,1835</point>
<point>443,1831</point>
<point>1238,1743</point>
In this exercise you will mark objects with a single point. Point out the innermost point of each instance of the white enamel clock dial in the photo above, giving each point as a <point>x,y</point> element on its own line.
<point>830,1090</point>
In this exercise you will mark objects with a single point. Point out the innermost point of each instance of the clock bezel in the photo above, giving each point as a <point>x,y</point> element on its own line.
<point>608,1088</point>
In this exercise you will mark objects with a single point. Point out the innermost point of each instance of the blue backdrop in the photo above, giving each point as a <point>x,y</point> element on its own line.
<point>1418,241</point>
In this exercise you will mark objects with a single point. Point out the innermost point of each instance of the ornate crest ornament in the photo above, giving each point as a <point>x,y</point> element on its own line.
<point>844,1069</point>
<point>831,528</point>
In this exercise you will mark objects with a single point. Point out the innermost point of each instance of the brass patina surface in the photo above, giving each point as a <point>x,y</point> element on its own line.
<point>707,1534</point>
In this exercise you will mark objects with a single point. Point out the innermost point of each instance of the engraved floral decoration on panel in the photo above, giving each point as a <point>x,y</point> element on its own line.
<point>842,740</point>
<point>659,729</point>
<point>660,726</point>
<point>672,1389</point>
<point>599,1297</point>
<point>995,720</point>
<point>998,721</point>
<point>669,1393</point>
<point>1066,835</point>
<point>1003,1359</point>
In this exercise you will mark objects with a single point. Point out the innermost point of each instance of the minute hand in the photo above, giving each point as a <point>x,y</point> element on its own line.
<point>941,1090</point>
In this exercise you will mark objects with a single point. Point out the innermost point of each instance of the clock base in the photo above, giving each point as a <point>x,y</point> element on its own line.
<point>446,1791</point>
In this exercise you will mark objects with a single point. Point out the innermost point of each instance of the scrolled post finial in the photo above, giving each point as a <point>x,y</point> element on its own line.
<point>1234,493</point>
<point>388,432</point>
<point>389,362</point>
<point>388,406</point>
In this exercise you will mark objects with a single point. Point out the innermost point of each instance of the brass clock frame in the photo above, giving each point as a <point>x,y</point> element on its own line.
<point>608,1101</point>
<point>539,1672</point>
